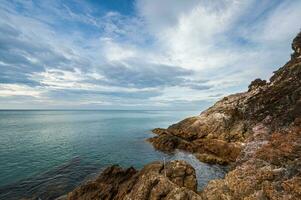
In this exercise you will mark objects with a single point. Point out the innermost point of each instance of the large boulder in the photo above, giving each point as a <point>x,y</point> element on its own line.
<point>174,180</point>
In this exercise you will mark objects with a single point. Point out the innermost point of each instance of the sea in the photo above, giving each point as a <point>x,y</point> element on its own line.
<point>46,153</point>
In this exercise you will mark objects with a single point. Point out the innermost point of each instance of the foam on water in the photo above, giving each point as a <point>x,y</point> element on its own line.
<point>204,172</point>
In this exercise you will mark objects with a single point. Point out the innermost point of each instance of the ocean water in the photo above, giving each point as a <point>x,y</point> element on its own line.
<point>45,154</point>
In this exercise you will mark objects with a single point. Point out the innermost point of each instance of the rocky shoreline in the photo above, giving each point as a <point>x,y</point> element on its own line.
<point>257,133</point>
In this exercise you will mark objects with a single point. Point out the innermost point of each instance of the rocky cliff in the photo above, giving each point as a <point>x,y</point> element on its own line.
<point>218,134</point>
<point>258,132</point>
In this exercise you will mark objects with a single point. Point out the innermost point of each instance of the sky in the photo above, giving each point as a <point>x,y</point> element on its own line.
<point>139,54</point>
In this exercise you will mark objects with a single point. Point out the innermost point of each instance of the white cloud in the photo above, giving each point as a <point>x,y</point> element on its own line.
<point>202,36</point>
<point>19,90</point>
<point>225,42</point>
<point>55,79</point>
<point>116,52</point>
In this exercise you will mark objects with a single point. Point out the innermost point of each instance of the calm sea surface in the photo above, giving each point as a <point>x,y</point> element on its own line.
<point>47,153</point>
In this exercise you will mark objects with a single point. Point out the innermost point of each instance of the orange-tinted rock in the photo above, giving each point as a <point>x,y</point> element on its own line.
<point>272,172</point>
<point>168,143</point>
<point>227,150</point>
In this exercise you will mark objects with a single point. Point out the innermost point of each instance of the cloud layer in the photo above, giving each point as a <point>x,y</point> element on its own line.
<point>155,54</point>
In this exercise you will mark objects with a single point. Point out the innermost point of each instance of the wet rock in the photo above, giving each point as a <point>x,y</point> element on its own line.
<point>210,158</point>
<point>160,131</point>
<point>169,142</point>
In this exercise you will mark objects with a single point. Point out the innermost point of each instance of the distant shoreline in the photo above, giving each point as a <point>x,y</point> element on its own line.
<point>90,110</point>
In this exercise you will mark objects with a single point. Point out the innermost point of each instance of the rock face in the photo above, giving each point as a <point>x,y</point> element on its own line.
<point>270,168</point>
<point>258,132</point>
<point>175,180</point>
<point>217,134</point>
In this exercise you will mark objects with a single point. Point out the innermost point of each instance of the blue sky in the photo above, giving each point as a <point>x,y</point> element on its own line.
<point>143,54</point>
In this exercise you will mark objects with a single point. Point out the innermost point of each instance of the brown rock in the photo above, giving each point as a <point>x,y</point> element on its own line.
<point>175,180</point>
<point>257,83</point>
<point>296,46</point>
<point>211,159</point>
<point>168,143</point>
<point>160,131</point>
<point>272,172</point>
<point>226,151</point>
<point>114,182</point>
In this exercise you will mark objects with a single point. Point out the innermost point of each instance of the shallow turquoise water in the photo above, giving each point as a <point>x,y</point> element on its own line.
<point>41,150</point>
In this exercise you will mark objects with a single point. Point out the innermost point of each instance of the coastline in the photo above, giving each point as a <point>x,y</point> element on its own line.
<point>256,132</point>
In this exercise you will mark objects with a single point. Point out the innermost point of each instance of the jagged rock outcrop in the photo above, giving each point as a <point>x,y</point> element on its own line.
<point>229,122</point>
<point>257,83</point>
<point>297,47</point>
<point>174,180</point>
